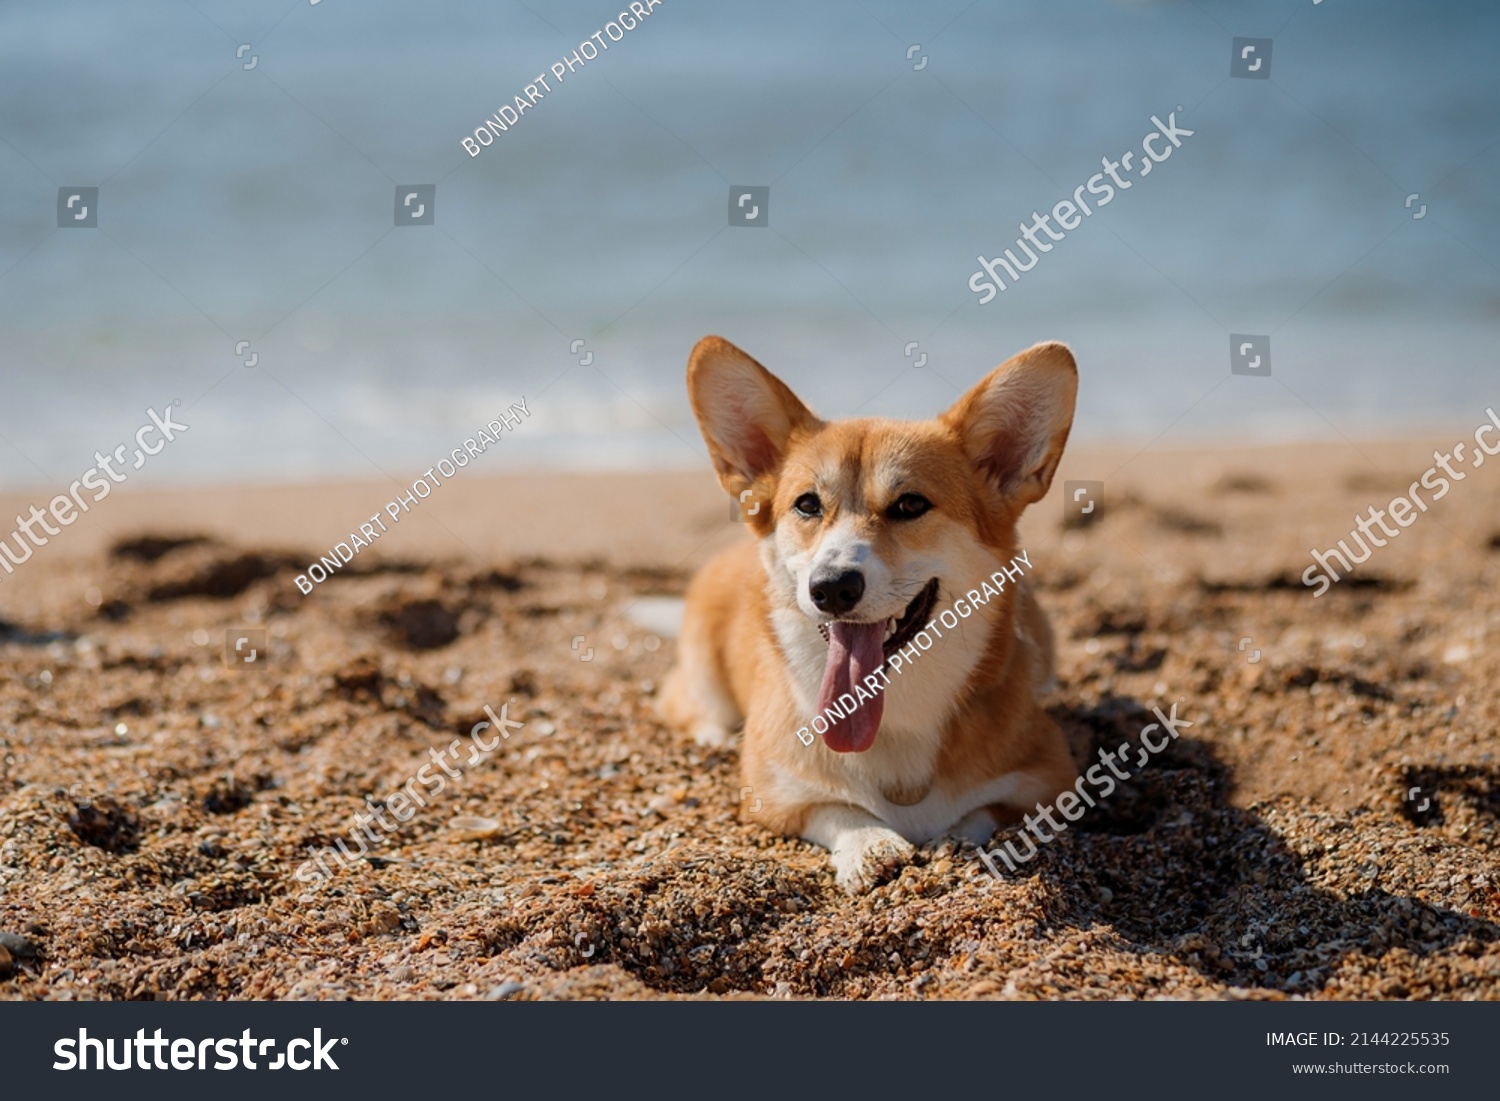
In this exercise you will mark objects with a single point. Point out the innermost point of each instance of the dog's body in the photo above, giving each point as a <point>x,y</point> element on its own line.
<point>867,530</point>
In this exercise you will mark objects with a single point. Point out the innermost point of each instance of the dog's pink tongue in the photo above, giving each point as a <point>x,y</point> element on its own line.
<point>854,652</point>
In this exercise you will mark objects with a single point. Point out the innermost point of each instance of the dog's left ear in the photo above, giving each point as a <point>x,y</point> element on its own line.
<point>1015,422</point>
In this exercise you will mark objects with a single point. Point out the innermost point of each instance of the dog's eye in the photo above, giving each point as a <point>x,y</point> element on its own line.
<point>808,505</point>
<point>908,507</point>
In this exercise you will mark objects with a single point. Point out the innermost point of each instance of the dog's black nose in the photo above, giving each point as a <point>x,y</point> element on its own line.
<point>838,595</point>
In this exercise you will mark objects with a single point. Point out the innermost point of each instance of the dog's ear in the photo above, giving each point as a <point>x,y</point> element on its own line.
<point>746,413</point>
<point>1015,422</point>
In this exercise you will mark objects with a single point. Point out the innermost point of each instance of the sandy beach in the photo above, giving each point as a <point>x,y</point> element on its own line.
<point>1327,828</point>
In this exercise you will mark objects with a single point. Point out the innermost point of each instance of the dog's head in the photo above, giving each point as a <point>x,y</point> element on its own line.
<point>867,523</point>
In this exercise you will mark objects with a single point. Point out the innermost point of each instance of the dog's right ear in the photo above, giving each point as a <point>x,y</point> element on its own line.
<point>747,414</point>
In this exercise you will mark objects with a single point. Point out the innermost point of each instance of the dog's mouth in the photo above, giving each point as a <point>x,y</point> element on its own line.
<point>856,651</point>
<point>898,632</point>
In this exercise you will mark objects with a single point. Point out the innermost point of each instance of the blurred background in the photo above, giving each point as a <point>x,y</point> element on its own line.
<point>899,140</point>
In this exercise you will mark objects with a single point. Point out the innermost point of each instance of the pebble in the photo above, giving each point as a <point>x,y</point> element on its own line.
<point>7,965</point>
<point>470,828</point>
<point>504,990</point>
<point>18,946</point>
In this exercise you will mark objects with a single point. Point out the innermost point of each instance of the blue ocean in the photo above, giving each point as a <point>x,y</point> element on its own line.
<point>249,253</point>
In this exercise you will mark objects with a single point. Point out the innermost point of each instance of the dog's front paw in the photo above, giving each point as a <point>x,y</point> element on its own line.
<point>976,827</point>
<point>712,735</point>
<point>865,857</point>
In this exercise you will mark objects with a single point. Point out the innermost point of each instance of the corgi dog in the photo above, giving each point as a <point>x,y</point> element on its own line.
<point>864,530</point>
